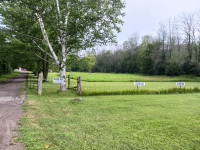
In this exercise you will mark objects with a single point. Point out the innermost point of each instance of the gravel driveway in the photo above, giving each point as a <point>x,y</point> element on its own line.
<point>11,110</point>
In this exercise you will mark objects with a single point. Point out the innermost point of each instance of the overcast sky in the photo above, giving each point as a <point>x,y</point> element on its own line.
<point>144,16</point>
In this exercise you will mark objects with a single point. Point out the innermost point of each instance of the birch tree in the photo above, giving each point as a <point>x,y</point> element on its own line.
<point>187,21</point>
<point>67,26</point>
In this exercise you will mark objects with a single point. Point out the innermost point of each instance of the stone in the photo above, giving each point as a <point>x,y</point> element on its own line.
<point>77,99</point>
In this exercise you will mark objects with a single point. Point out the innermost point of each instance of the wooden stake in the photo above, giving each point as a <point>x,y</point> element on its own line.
<point>68,81</point>
<point>80,89</point>
<point>79,85</point>
<point>39,84</point>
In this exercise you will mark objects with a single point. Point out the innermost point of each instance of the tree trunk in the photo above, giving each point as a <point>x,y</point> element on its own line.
<point>45,74</point>
<point>189,48</point>
<point>45,69</point>
<point>63,77</point>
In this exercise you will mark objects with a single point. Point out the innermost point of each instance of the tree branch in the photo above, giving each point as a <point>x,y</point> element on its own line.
<point>43,50</point>
<point>40,21</point>
<point>22,34</point>
<point>43,58</point>
<point>58,7</point>
<point>67,14</point>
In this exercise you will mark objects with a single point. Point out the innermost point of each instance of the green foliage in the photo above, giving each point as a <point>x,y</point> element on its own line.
<point>5,62</point>
<point>89,22</point>
<point>104,62</point>
<point>190,68</point>
<point>152,57</point>
<point>5,67</point>
<point>89,61</point>
<point>172,69</point>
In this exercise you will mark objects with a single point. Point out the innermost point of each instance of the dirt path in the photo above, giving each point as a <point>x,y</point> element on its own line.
<point>10,111</point>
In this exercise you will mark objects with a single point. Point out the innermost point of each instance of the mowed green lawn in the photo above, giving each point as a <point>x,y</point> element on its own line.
<point>119,77</point>
<point>109,122</point>
<point>117,86</point>
<point>95,83</point>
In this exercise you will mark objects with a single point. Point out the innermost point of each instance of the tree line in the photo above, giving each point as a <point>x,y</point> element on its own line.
<point>174,50</point>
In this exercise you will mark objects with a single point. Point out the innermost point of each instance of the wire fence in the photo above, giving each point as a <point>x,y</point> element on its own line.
<point>75,84</point>
<point>84,87</point>
<point>32,81</point>
<point>91,87</point>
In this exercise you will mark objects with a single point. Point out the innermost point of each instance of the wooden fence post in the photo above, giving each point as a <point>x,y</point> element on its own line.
<point>68,81</point>
<point>79,85</point>
<point>80,90</point>
<point>39,84</point>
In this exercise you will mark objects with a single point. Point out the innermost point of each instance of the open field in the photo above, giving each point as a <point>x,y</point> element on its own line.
<point>113,84</point>
<point>8,76</point>
<point>109,122</point>
<point>113,77</point>
<point>117,86</point>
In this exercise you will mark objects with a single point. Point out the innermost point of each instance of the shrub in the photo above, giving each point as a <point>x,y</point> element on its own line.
<point>172,69</point>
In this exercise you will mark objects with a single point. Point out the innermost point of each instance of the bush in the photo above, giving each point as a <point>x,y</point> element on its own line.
<point>5,68</point>
<point>189,68</point>
<point>172,69</point>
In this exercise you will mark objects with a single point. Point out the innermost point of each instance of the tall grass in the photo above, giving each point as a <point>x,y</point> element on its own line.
<point>142,92</point>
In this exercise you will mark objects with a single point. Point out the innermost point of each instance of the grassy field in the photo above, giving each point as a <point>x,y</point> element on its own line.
<point>113,77</point>
<point>8,76</point>
<point>113,84</point>
<point>125,122</point>
<point>116,86</point>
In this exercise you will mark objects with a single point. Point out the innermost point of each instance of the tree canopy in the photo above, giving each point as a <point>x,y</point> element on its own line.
<point>62,27</point>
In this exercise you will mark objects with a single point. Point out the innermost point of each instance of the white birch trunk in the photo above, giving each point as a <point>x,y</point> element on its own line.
<point>62,62</point>
<point>63,77</point>
<point>40,21</point>
<point>40,84</point>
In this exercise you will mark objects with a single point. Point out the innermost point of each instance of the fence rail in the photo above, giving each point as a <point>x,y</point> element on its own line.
<point>75,85</point>
<point>32,83</point>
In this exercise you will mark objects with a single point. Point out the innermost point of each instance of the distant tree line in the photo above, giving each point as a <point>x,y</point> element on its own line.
<point>175,50</point>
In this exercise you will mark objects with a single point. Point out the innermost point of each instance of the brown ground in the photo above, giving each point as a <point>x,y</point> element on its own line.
<point>11,111</point>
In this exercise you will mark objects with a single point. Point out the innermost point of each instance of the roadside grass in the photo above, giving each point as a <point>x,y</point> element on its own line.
<point>110,122</point>
<point>119,77</point>
<point>8,76</point>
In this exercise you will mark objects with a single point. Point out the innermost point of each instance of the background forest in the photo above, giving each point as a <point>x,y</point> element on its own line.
<point>174,50</point>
